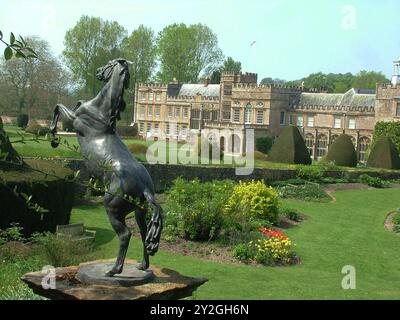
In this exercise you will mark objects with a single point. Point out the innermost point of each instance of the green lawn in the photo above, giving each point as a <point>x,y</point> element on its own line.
<point>347,232</point>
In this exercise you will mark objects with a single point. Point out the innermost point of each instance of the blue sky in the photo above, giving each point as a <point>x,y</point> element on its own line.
<point>293,38</point>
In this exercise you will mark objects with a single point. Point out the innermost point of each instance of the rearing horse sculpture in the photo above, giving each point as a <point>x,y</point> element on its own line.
<point>94,122</point>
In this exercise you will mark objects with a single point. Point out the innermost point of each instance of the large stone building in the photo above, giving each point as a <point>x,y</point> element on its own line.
<point>224,111</point>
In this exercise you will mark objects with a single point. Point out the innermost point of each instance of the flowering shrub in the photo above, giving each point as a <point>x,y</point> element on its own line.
<point>274,248</point>
<point>253,201</point>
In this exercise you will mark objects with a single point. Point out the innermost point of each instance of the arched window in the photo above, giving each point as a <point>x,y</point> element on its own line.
<point>322,145</point>
<point>247,113</point>
<point>353,140</point>
<point>309,139</point>
<point>333,138</point>
<point>363,146</point>
<point>222,143</point>
<point>234,144</point>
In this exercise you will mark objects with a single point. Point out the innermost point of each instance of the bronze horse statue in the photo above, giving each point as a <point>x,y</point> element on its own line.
<point>94,122</point>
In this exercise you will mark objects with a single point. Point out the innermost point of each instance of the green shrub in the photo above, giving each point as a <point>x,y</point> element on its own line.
<point>53,194</point>
<point>292,214</point>
<point>384,154</point>
<point>253,201</point>
<point>264,144</point>
<point>306,192</point>
<point>195,210</point>
<point>374,182</point>
<point>1,123</point>
<point>396,218</point>
<point>37,129</point>
<point>310,173</point>
<point>138,148</point>
<point>22,120</point>
<point>60,252</point>
<point>67,125</point>
<point>342,152</point>
<point>243,252</point>
<point>290,147</point>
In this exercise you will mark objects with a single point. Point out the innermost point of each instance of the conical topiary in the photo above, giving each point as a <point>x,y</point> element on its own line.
<point>342,152</point>
<point>384,155</point>
<point>290,147</point>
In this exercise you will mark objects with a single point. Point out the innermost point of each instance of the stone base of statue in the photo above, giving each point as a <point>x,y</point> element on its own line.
<point>88,282</point>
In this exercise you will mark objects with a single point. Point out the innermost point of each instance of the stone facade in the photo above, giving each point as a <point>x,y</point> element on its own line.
<point>225,111</point>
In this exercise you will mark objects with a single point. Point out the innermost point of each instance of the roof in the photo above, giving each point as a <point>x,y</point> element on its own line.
<point>348,99</point>
<point>212,90</point>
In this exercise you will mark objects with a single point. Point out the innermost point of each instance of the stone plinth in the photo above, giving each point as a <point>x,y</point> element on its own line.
<point>163,284</point>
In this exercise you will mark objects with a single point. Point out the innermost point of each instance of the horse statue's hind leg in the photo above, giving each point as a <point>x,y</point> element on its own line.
<point>117,210</point>
<point>140,216</point>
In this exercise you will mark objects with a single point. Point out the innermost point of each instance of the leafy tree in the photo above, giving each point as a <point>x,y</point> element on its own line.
<point>229,65</point>
<point>140,49</point>
<point>187,52</point>
<point>33,85</point>
<point>88,46</point>
<point>269,80</point>
<point>368,79</point>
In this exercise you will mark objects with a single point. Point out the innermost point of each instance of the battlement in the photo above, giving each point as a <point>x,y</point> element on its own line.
<point>153,85</point>
<point>266,86</point>
<point>180,98</point>
<point>387,91</point>
<point>330,108</point>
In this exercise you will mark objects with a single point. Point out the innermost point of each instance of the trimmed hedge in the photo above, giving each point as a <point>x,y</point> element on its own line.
<point>387,129</point>
<point>137,148</point>
<point>290,148</point>
<point>51,193</point>
<point>384,155</point>
<point>342,152</point>
<point>127,131</point>
<point>22,120</point>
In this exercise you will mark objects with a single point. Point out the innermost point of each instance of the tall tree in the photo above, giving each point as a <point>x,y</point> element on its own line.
<point>368,79</point>
<point>140,49</point>
<point>187,53</point>
<point>31,85</point>
<point>89,45</point>
<point>229,65</point>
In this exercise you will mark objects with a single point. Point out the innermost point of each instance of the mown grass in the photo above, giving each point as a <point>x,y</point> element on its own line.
<point>347,232</point>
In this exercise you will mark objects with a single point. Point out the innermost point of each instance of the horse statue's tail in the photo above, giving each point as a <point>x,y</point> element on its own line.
<point>155,225</point>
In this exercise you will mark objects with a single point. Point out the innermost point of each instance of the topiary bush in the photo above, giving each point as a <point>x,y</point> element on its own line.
<point>22,120</point>
<point>264,144</point>
<point>342,152</point>
<point>290,148</point>
<point>387,129</point>
<point>384,154</point>
<point>253,201</point>
<point>194,210</point>
<point>56,195</point>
